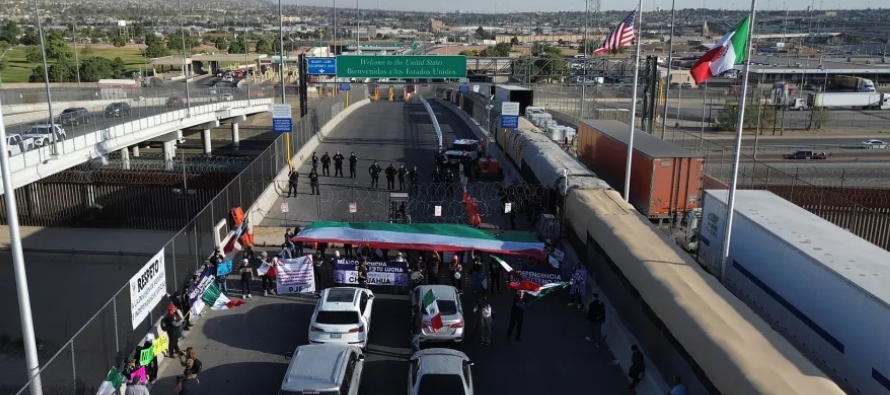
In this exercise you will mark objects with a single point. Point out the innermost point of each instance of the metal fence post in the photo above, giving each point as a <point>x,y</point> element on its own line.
<point>73,366</point>
<point>117,347</point>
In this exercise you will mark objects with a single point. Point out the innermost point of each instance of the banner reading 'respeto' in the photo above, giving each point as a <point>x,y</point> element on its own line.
<point>295,275</point>
<point>147,288</point>
<point>379,273</point>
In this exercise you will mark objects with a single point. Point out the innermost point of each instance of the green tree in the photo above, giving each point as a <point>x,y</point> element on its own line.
<point>728,118</point>
<point>221,43</point>
<point>9,32</point>
<point>499,50</point>
<point>29,37</point>
<point>96,68</point>
<point>61,71</point>
<point>56,49</point>
<point>119,42</point>
<point>481,34</point>
<point>154,47</point>
<point>546,63</point>
<point>175,40</point>
<point>819,117</point>
<point>263,46</point>
<point>514,40</point>
<point>238,46</point>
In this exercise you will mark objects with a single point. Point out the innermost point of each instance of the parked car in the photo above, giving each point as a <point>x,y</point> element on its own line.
<point>117,109</point>
<point>875,144</point>
<point>74,116</point>
<point>323,369</point>
<point>461,148</point>
<point>175,102</point>
<point>805,154</point>
<point>440,371</point>
<point>42,134</point>
<point>450,310</point>
<point>16,144</point>
<point>342,316</point>
<point>227,97</point>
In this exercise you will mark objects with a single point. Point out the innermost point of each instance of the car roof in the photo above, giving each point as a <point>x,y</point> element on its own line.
<point>465,141</point>
<point>339,299</point>
<point>441,361</point>
<point>42,125</point>
<point>316,366</point>
<point>442,292</point>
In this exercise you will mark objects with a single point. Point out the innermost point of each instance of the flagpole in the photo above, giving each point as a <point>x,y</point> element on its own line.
<point>633,105</point>
<point>730,203</point>
<point>667,80</point>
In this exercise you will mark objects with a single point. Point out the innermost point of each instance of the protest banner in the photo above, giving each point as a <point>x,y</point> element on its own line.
<point>140,373</point>
<point>223,268</point>
<point>295,275</point>
<point>541,274</point>
<point>197,289</point>
<point>160,344</point>
<point>146,355</point>
<point>379,273</point>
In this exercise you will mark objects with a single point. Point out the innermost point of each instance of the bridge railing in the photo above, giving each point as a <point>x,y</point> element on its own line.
<point>85,356</point>
<point>436,126</point>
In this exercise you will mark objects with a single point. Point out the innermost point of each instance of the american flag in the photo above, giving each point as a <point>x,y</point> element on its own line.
<point>622,36</point>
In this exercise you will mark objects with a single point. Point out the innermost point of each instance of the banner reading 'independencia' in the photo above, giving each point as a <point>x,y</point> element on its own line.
<point>379,273</point>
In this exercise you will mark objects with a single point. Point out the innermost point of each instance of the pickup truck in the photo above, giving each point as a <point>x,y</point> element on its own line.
<point>805,154</point>
<point>43,134</point>
<point>16,144</point>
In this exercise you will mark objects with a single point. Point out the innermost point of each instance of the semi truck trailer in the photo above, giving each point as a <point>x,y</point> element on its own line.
<point>821,286</point>
<point>849,100</point>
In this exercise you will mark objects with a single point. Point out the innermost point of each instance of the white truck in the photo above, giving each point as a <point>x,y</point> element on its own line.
<point>850,100</point>
<point>819,285</point>
<point>850,83</point>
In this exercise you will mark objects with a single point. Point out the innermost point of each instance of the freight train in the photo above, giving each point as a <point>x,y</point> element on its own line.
<point>700,331</point>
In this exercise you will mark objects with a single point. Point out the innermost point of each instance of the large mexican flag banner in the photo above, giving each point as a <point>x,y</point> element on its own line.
<point>426,237</point>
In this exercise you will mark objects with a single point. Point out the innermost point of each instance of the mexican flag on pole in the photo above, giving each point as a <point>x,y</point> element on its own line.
<point>216,300</point>
<point>537,290</point>
<point>431,308</point>
<point>731,50</point>
<point>112,382</point>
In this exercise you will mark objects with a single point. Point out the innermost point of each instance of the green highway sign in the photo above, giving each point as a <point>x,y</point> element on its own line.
<point>401,66</point>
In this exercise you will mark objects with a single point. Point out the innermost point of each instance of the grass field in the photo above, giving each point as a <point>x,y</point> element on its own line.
<point>18,69</point>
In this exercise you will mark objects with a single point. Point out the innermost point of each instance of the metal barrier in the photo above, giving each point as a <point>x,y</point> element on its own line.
<point>108,337</point>
<point>429,110</point>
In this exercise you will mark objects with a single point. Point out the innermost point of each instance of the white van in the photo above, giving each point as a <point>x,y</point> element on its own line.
<point>323,369</point>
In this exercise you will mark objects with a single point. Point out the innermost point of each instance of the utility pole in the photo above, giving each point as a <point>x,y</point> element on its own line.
<point>667,87</point>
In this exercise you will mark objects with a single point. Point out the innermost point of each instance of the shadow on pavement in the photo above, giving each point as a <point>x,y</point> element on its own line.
<point>265,378</point>
<point>272,328</point>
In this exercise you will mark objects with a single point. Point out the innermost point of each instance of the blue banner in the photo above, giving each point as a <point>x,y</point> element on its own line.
<point>379,273</point>
<point>223,268</point>
<point>541,274</point>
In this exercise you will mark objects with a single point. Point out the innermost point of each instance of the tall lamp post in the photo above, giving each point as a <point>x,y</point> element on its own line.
<point>586,54</point>
<point>185,63</point>
<point>49,96</point>
<point>667,87</point>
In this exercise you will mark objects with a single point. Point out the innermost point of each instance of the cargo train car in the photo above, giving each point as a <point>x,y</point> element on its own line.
<point>666,180</point>
<point>823,287</point>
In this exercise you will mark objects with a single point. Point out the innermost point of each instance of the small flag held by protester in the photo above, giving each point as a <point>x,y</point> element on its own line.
<point>112,382</point>
<point>432,310</point>
<point>216,300</point>
<point>506,267</point>
<point>536,290</point>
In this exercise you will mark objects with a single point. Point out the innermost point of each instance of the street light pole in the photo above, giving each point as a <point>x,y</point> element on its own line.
<point>18,264</point>
<point>76,61</point>
<point>667,87</point>
<point>185,63</point>
<point>281,52</point>
<point>335,27</point>
<point>49,94</point>
<point>586,57</point>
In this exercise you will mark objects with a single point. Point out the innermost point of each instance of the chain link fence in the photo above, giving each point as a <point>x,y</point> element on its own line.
<point>108,338</point>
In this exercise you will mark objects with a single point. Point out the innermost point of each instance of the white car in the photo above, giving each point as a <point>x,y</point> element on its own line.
<point>438,371</point>
<point>450,309</point>
<point>342,316</point>
<point>42,134</point>
<point>875,144</point>
<point>461,148</point>
<point>228,97</point>
<point>15,144</point>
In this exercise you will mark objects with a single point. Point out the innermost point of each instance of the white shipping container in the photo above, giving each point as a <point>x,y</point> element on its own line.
<point>821,286</point>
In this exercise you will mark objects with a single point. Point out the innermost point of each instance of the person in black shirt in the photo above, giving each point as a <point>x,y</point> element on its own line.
<point>292,179</point>
<point>313,182</point>
<point>374,171</point>
<point>353,160</point>
<point>326,164</point>
<point>172,324</point>
<point>637,367</point>
<point>314,161</point>
<point>363,274</point>
<point>402,173</point>
<point>437,175</point>
<point>412,178</point>
<point>338,164</point>
<point>188,383</point>
<point>440,158</point>
<point>494,275</point>
<point>478,272</point>
<point>390,177</point>
<point>596,315</point>
<point>449,181</point>
<point>517,315</point>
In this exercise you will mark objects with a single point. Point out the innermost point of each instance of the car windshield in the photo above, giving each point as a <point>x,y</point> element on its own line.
<point>447,307</point>
<point>337,318</point>
<point>441,384</point>
<point>39,130</point>
<point>463,147</point>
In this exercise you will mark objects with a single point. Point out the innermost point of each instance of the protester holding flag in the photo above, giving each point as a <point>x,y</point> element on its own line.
<point>456,269</point>
<point>494,274</point>
<point>172,324</point>
<point>268,275</point>
<point>151,370</point>
<point>517,315</point>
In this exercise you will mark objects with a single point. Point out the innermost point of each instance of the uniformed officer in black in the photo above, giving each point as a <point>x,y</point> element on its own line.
<point>338,164</point>
<point>313,182</point>
<point>402,173</point>
<point>292,179</point>
<point>390,177</point>
<point>326,164</point>
<point>314,161</point>
<point>437,175</point>
<point>352,161</point>
<point>448,177</point>
<point>374,171</point>
<point>440,158</point>
<point>413,175</point>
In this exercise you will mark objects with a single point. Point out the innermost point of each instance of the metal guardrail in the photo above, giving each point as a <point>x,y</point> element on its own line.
<point>436,126</point>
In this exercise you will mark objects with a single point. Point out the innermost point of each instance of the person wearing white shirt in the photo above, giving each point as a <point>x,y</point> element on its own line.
<point>485,318</point>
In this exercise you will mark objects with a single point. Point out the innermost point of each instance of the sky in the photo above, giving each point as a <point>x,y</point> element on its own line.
<point>578,5</point>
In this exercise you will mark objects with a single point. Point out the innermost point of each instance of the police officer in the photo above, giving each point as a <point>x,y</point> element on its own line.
<point>338,164</point>
<point>402,173</point>
<point>390,177</point>
<point>412,178</point>
<point>352,161</point>
<point>440,158</point>
<point>326,164</point>
<point>292,179</point>
<point>437,175</point>
<point>374,171</point>
<point>314,161</point>
<point>448,177</point>
<point>313,182</point>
